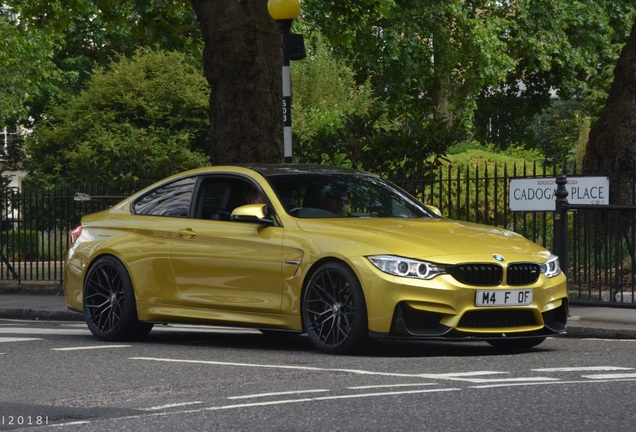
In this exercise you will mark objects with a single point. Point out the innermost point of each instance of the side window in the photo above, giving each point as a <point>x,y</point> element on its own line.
<point>171,200</point>
<point>218,196</point>
<point>214,196</point>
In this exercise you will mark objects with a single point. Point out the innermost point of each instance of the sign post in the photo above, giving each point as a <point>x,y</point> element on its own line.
<point>539,194</point>
<point>560,225</point>
<point>292,48</point>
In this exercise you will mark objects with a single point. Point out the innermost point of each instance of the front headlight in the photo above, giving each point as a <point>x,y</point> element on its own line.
<point>406,267</point>
<point>551,268</point>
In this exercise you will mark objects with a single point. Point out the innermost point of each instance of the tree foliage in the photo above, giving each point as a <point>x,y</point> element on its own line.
<point>492,68</point>
<point>89,33</point>
<point>497,64</point>
<point>561,49</point>
<point>405,149</point>
<point>140,120</point>
<point>325,91</point>
<point>27,70</point>
<point>430,56</point>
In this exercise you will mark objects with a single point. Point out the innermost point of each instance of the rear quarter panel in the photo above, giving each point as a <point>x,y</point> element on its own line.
<point>143,247</point>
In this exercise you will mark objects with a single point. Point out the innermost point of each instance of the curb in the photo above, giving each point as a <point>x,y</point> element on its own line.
<point>40,315</point>
<point>590,326</point>
<point>31,289</point>
<point>599,333</point>
<point>574,332</point>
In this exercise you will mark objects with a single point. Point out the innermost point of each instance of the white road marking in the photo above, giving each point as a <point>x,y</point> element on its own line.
<point>277,394</point>
<point>390,386</point>
<point>484,383</point>
<point>42,331</point>
<point>470,377</point>
<point>510,380</point>
<point>267,403</point>
<point>582,369</point>
<point>174,405</point>
<point>308,368</point>
<point>466,374</point>
<point>545,383</point>
<point>17,339</point>
<point>610,376</point>
<point>90,347</point>
<point>393,393</point>
<point>75,423</point>
<point>463,376</point>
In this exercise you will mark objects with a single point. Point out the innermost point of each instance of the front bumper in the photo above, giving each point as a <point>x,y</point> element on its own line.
<point>476,324</point>
<point>445,308</point>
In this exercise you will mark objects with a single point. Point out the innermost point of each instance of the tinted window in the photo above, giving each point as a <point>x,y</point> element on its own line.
<point>358,195</point>
<point>218,196</point>
<point>171,200</point>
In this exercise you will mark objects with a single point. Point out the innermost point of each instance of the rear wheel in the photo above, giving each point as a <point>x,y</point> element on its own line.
<point>334,311</point>
<point>109,302</point>
<point>524,343</point>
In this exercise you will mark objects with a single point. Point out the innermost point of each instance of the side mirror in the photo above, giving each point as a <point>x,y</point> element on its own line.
<point>255,213</point>
<point>434,209</point>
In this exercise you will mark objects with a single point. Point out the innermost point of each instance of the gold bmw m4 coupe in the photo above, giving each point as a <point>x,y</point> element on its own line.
<point>338,254</point>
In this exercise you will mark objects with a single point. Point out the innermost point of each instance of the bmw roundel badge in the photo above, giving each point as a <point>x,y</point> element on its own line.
<point>499,258</point>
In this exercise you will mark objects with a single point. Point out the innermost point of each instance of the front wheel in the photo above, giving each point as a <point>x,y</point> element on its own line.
<point>524,343</point>
<point>334,311</point>
<point>109,302</point>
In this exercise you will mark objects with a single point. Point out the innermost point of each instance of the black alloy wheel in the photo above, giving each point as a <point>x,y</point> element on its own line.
<point>109,302</point>
<point>334,310</point>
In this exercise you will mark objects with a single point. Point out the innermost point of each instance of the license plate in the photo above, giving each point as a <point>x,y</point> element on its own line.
<point>522,297</point>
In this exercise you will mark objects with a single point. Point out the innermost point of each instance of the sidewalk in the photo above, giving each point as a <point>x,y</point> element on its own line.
<point>47,303</point>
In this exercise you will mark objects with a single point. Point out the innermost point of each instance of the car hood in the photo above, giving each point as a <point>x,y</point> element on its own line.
<point>427,239</point>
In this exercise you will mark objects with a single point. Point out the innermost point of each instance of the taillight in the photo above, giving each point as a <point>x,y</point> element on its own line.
<point>76,233</point>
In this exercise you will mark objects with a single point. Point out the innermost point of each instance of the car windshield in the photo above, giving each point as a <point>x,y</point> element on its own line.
<point>313,195</point>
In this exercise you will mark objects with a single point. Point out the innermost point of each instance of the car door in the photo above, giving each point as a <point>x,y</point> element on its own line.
<point>148,257</point>
<point>222,264</point>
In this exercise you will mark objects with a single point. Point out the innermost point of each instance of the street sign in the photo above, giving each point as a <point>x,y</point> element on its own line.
<point>538,194</point>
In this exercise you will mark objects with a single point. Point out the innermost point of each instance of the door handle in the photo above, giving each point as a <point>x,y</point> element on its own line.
<point>186,233</point>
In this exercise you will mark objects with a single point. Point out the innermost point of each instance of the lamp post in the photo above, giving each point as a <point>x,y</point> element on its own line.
<point>292,48</point>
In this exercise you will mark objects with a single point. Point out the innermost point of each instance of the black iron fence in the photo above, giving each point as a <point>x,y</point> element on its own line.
<point>598,243</point>
<point>600,263</point>
<point>601,254</point>
<point>36,226</point>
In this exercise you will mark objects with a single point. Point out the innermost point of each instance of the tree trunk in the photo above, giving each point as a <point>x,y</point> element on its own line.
<point>441,86</point>
<point>242,62</point>
<point>612,140</point>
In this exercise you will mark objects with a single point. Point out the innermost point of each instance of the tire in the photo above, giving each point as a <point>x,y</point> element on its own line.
<point>334,312</point>
<point>524,343</point>
<point>110,309</point>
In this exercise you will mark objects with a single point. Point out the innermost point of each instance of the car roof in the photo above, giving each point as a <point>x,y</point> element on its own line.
<point>264,169</point>
<point>272,170</point>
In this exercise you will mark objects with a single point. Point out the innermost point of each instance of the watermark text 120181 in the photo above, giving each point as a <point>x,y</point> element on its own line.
<point>22,420</point>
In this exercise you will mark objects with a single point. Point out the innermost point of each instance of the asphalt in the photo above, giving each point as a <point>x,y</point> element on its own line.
<point>46,302</point>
